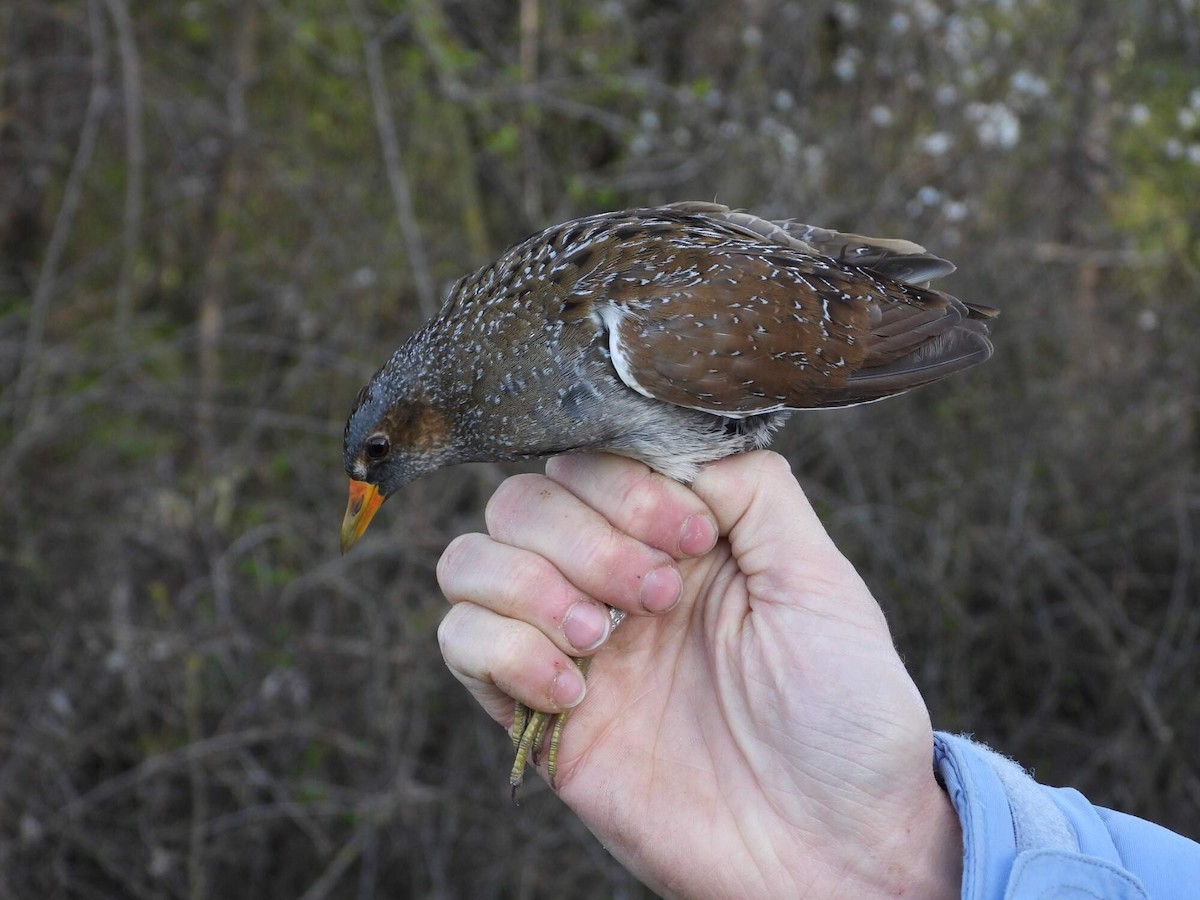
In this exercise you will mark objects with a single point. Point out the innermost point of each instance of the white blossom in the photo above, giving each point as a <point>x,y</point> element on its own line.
<point>935,144</point>
<point>1025,82</point>
<point>881,115</point>
<point>995,124</point>
<point>928,195</point>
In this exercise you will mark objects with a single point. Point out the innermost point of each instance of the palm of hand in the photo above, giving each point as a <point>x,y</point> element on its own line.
<point>770,699</point>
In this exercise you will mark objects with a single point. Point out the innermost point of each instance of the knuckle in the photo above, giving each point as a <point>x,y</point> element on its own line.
<point>449,630</point>
<point>561,467</point>
<point>517,664</point>
<point>772,464</point>
<point>601,550</point>
<point>529,578</point>
<point>617,563</point>
<point>643,503</point>
<point>455,559</point>
<point>508,500</point>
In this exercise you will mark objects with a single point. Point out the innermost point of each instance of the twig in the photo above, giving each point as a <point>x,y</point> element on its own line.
<point>216,270</point>
<point>1108,257</point>
<point>197,778</point>
<point>531,157</point>
<point>375,813</point>
<point>389,142</point>
<point>333,873</point>
<point>135,164</point>
<point>171,761</point>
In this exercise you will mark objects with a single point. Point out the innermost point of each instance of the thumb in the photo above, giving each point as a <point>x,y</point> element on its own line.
<point>775,536</point>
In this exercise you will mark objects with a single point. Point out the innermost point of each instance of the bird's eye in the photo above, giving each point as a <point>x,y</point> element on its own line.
<point>378,446</point>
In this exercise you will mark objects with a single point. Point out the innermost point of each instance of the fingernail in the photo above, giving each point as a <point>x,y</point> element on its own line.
<point>586,625</point>
<point>568,688</point>
<point>661,589</point>
<point>698,535</point>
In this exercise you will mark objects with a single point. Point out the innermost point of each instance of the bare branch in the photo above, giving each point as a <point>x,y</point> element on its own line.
<point>531,156</point>
<point>216,272</point>
<point>389,142</point>
<point>135,154</point>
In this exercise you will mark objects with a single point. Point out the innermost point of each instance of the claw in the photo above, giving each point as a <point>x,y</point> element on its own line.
<point>528,742</point>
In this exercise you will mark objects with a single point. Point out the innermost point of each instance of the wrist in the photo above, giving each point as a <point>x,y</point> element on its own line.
<point>937,848</point>
<point>919,853</point>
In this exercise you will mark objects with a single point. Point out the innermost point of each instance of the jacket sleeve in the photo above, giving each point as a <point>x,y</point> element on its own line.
<point>1022,839</point>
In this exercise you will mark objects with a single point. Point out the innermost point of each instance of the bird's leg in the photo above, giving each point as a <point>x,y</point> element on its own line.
<point>529,728</point>
<point>520,717</point>
<point>528,733</point>
<point>556,733</point>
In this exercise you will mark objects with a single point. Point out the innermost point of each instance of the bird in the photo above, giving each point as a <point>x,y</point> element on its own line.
<point>675,335</point>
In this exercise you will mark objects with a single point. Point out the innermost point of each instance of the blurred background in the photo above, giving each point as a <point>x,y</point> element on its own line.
<point>218,218</point>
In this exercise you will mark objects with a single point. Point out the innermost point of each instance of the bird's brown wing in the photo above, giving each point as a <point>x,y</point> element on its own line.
<point>737,333</point>
<point>893,258</point>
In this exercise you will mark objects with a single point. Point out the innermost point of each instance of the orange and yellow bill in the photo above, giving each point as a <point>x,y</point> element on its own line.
<point>365,501</point>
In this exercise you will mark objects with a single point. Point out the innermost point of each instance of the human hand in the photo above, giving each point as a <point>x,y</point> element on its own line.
<point>762,737</point>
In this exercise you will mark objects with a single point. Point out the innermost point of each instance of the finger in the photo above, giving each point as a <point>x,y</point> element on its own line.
<point>775,534</point>
<point>500,660</point>
<point>536,514</point>
<point>518,584</point>
<point>635,499</point>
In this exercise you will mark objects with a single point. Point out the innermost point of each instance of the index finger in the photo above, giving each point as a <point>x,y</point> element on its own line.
<point>638,501</point>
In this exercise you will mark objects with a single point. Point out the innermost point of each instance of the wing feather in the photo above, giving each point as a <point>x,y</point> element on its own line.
<point>740,316</point>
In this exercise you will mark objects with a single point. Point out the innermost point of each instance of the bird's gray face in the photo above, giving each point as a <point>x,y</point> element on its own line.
<point>385,446</point>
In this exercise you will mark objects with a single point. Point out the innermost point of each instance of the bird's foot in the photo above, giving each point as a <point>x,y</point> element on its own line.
<point>529,728</point>
<point>528,732</point>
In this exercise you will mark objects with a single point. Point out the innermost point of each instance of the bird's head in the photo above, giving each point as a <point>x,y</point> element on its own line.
<point>392,437</point>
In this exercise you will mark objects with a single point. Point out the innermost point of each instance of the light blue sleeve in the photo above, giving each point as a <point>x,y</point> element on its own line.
<point>1022,839</point>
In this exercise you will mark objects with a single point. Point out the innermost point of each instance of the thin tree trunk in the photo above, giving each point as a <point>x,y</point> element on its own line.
<point>531,155</point>
<point>26,389</point>
<point>210,313</point>
<point>389,143</point>
<point>135,166</point>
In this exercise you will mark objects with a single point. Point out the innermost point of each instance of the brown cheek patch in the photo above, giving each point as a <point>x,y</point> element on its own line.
<point>417,425</point>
